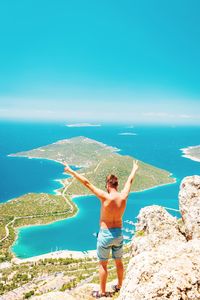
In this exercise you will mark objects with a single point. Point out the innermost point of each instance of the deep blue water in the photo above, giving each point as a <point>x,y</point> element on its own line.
<point>159,146</point>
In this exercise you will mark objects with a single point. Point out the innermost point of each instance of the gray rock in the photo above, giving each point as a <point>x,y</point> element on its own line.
<point>165,264</point>
<point>189,204</point>
<point>172,271</point>
<point>155,227</point>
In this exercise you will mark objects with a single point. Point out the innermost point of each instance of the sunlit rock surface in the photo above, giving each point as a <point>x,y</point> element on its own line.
<point>165,261</point>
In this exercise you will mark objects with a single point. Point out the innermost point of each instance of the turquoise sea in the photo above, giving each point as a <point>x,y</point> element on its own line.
<point>156,145</point>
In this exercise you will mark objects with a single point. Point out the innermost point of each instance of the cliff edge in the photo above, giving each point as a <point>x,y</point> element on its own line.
<point>165,261</point>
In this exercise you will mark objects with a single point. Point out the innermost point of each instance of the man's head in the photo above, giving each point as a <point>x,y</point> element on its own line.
<point>111,182</point>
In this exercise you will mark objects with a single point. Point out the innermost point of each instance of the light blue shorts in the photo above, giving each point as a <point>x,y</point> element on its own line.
<point>110,239</point>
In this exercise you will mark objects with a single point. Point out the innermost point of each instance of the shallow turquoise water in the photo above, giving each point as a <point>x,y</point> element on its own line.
<point>159,146</point>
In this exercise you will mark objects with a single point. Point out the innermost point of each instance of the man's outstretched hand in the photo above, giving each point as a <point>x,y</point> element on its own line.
<point>135,165</point>
<point>67,168</point>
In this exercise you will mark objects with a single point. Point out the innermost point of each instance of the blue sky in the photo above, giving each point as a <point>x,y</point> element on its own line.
<point>127,61</point>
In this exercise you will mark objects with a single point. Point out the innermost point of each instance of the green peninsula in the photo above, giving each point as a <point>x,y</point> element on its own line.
<point>30,209</point>
<point>96,160</point>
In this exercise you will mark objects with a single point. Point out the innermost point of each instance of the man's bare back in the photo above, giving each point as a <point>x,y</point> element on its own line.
<point>112,210</point>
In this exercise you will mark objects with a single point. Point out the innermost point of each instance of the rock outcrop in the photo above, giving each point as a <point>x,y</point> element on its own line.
<point>165,262</point>
<point>155,227</point>
<point>189,204</point>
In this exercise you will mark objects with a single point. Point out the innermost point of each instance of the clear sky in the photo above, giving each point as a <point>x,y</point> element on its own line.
<point>109,60</point>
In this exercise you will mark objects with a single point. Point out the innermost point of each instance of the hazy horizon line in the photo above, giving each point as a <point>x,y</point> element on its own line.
<point>129,124</point>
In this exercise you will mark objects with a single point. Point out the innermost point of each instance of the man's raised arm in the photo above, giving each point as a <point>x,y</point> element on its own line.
<point>98,192</point>
<point>127,187</point>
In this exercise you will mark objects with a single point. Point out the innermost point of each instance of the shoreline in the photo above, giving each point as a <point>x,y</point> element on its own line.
<point>16,229</point>
<point>156,186</point>
<point>186,153</point>
<point>62,253</point>
<point>56,255</point>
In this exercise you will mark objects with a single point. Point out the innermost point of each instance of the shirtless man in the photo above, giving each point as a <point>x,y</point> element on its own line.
<point>113,204</point>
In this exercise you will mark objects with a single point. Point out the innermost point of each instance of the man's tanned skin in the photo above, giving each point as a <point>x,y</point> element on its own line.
<point>113,204</point>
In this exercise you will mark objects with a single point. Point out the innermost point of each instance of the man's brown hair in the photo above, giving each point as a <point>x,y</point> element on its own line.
<point>112,180</point>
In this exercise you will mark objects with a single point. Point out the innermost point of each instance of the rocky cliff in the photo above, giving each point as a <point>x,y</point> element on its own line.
<point>165,261</point>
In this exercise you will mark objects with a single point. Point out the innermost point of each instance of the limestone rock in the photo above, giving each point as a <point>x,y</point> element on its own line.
<point>172,271</point>
<point>155,227</point>
<point>54,296</point>
<point>189,203</point>
<point>165,264</point>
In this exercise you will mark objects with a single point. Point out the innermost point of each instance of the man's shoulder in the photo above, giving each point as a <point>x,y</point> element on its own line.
<point>122,196</point>
<point>118,197</point>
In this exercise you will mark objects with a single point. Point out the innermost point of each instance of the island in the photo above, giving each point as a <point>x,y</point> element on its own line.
<point>83,125</point>
<point>127,133</point>
<point>96,160</point>
<point>192,152</point>
<point>92,158</point>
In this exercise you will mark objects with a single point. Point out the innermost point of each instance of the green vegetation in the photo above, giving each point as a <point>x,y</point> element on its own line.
<point>28,210</point>
<point>18,275</point>
<point>96,160</point>
<point>147,175</point>
<point>2,228</point>
<point>140,233</point>
<point>180,222</point>
<point>33,205</point>
<point>39,273</point>
<point>79,151</point>
<point>69,285</point>
<point>29,294</point>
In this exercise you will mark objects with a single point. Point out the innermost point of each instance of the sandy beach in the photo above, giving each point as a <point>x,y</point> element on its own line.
<point>56,255</point>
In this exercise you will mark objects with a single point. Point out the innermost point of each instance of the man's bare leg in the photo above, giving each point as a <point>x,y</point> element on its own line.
<point>103,275</point>
<point>120,271</point>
